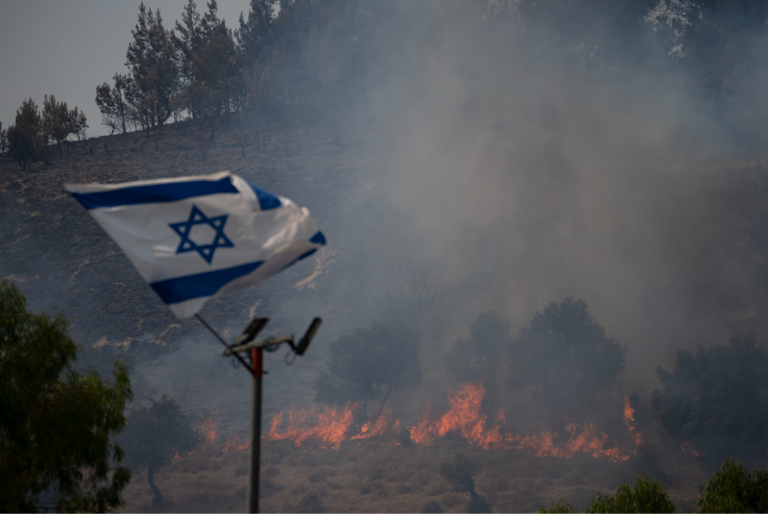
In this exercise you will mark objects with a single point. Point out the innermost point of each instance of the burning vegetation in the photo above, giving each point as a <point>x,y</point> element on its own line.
<point>331,426</point>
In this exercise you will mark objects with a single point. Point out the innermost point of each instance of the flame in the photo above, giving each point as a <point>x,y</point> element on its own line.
<point>209,429</point>
<point>210,440</point>
<point>629,419</point>
<point>687,448</point>
<point>331,426</point>
<point>327,429</point>
<point>463,417</point>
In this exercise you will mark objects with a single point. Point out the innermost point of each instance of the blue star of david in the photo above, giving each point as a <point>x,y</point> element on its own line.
<point>196,217</point>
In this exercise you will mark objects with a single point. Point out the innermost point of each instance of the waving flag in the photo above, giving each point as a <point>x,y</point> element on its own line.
<point>195,238</point>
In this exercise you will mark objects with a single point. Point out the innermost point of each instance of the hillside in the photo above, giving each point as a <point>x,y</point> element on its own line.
<point>64,262</point>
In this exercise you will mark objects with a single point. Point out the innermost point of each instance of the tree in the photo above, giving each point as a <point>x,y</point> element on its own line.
<point>479,358</point>
<point>187,39</point>
<point>56,425</point>
<point>59,122</point>
<point>370,364</point>
<point>78,123</point>
<point>3,139</point>
<point>56,120</point>
<point>256,41</point>
<point>566,354</point>
<point>733,489</point>
<point>25,136</point>
<point>717,401</point>
<point>154,72</point>
<point>210,63</point>
<point>153,435</point>
<point>113,103</point>
<point>647,496</point>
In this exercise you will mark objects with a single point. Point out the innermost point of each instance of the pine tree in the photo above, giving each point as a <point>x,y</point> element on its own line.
<point>25,137</point>
<point>256,41</point>
<point>187,40</point>
<point>113,103</point>
<point>3,139</point>
<point>154,71</point>
<point>56,121</point>
<point>78,123</point>
<point>210,63</point>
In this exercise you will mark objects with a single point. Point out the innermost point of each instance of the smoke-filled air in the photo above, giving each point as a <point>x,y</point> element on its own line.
<point>545,268</point>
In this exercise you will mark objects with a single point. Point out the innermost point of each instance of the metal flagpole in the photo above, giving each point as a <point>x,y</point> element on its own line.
<point>254,461</point>
<point>245,343</point>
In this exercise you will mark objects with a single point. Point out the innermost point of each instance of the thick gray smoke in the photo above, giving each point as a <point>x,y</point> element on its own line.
<point>524,177</point>
<point>511,159</point>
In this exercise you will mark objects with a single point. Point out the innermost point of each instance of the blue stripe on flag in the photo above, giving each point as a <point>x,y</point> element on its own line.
<point>318,239</point>
<point>155,193</point>
<point>266,199</point>
<point>181,289</point>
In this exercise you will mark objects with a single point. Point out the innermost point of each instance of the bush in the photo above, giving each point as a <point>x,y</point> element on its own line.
<point>733,489</point>
<point>716,400</point>
<point>647,496</point>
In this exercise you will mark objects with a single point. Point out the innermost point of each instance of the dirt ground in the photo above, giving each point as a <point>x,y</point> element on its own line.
<point>356,478</point>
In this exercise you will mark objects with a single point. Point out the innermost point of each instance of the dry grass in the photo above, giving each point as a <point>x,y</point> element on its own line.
<point>380,480</point>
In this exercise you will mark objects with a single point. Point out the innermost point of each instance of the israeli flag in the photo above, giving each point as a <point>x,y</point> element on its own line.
<point>201,237</point>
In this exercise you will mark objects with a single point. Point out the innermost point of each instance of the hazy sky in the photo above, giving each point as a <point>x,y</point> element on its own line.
<point>68,47</point>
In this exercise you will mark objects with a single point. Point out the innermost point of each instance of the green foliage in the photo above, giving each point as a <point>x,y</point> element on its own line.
<point>25,137</point>
<point>153,70</point>
<point>567,354</point>
<point>56,425</point>
<point>561,507</point>
<point>733,489</point>
<point>369,364</point>
<point>717,401</point>
<point>154,434</point>
<point>646,497</point>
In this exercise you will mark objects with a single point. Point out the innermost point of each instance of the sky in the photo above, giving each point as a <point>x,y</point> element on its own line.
<point>68,47</point>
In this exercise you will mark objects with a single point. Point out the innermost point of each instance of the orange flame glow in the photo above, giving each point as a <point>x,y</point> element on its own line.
<point>333,425</point>
<point>629,419</point>
<point>326,429</point>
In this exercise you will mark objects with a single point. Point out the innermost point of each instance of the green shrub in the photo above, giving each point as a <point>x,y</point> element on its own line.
<point>733,489</point>
<point>647,496</point>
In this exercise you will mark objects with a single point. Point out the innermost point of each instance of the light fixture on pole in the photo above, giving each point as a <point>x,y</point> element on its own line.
<point>247,348</point>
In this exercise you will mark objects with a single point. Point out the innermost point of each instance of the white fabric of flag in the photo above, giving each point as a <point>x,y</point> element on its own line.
<point>201,237</point>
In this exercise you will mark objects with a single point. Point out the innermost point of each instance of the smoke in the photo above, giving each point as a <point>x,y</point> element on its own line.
<point>512,157</point>
<point>525,168</point>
